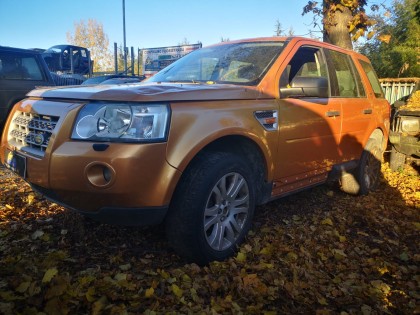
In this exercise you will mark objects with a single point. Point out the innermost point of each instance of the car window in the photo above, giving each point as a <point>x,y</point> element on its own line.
<point>348,79</point>
<point>32,67</point>
<point>307,62</point>
<point>19,67</point>
<point>237,63</point>
<point>373,79</point>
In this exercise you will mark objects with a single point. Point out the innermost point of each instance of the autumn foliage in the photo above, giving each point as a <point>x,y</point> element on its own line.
<point>318,252</point>
<point>342,21</point>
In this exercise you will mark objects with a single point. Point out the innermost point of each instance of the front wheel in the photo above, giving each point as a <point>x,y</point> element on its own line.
<point>212,208</point>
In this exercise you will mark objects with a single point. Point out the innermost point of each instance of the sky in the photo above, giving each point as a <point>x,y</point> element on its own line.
<point>149,24</point>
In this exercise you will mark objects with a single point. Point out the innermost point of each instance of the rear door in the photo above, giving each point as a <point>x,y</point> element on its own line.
<point>356,109</point>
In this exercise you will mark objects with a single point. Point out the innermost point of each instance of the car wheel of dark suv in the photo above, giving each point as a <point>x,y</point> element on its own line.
<point>212,209</point>
<point>396,160</point>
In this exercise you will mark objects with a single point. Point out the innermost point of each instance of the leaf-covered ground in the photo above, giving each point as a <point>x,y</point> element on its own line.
<point>318,252</point>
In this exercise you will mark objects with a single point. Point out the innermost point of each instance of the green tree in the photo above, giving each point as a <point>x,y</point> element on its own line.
<point>394,50</point>
<point>92,36</point>
<point>342,21</point>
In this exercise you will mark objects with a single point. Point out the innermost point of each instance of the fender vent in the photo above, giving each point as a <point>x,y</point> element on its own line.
<point>268,119</point>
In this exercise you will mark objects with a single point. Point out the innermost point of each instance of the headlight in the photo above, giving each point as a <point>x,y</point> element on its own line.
<point>121,122</point>
<point>410,126</point>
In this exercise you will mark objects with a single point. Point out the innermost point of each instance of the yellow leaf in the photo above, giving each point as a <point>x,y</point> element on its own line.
<point>149,292</point>
<point>125,267</point>
<point>177,291</point>
<point>165,275</point>
<point>291,256</point>
<point>9,207</point>
<point>342,238</point>
<point>266,250</point>
<point>90,294</point>
<point>339,254</point>
<point>23,287</point>
<point>120,276</point>
<point>322,301</point>
<point>385,38</point>
<point>31,198</point>
<point>99,305</point>
<point>241,257</point>
<point>327,221</point>
<point>49,274</point>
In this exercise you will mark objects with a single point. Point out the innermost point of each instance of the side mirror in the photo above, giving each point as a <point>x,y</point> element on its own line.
<point>306,87</point>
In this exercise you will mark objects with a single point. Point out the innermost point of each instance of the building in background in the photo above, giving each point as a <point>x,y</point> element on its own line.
<point>155,59</point>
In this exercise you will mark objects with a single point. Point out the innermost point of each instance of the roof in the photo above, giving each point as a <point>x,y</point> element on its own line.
<point>21,50</point>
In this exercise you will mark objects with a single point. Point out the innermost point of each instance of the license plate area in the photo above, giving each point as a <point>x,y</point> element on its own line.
<point>16,163</point>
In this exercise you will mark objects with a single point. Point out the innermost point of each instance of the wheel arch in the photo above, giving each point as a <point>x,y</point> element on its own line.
<point>242,147</point>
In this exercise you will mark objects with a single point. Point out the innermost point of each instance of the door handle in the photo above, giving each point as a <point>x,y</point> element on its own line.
<point>333,113</point>
<point>367,111</point>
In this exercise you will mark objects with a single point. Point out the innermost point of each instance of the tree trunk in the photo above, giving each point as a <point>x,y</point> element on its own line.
<point>337,32</point>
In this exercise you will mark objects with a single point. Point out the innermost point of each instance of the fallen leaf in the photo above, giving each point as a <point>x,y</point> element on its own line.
<point>49,274</point>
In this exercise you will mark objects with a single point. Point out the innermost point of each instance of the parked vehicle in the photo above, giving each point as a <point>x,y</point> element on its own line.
<point>405,130</point>
<point>21,70</point>
<point>68,59</point>
<point>205,140</point>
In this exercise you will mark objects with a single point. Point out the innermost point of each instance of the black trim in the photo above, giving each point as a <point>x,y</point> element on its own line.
<point>129,216</point>
<point>113,215</point>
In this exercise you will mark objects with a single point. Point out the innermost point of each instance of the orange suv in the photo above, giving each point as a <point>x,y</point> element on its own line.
<point>205,140</point>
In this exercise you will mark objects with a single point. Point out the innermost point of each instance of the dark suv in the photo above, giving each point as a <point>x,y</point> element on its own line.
<point>21,70</point>
<point>405,129</point>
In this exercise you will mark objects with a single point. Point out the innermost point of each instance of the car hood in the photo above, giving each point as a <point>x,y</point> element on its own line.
<point>146,92</point>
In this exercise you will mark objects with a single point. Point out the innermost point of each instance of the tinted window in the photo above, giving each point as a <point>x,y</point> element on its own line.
<point>307,62</point>
<point>373,79</point>
<point>348,79</point>
<point>15,66</point>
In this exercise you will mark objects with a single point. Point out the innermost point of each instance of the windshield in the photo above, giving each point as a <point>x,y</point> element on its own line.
<point>237,63</point>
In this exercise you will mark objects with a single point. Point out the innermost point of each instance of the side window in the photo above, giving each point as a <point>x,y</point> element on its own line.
<point>17,67</point>
<point>348,79</point>
<point>307,62</point>
<point>34,72</point>
<point>373,79</point>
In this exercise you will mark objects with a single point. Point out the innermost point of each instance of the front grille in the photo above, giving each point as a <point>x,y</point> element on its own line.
<point>396,124</point>
<point>31,132</point>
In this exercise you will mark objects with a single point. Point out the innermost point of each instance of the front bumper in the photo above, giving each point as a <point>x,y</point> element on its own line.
<point>408,145</point>
<point>123,183</point>
<point>113,215</point>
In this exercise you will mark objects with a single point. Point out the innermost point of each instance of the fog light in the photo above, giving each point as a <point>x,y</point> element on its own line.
<point>100,174</point>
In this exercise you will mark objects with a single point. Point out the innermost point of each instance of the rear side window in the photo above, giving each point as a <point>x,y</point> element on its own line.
<point>15,66</point>
<point>373,79</point>
<point>348,79</point>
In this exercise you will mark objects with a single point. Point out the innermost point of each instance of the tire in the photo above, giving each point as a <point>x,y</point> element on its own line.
<point>396,160</point>
<point>366,176</point>
<point>212,209</point>
<point>368,173</point>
